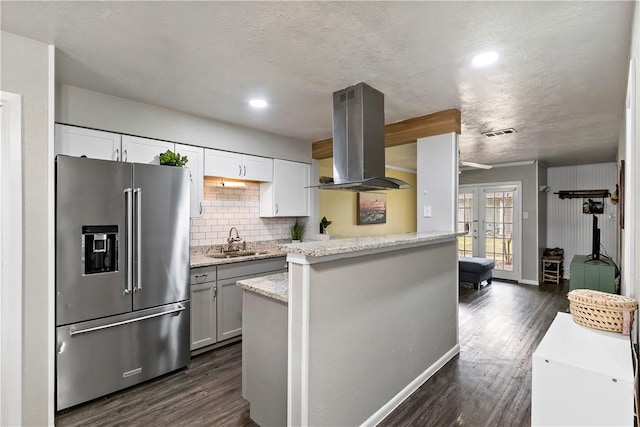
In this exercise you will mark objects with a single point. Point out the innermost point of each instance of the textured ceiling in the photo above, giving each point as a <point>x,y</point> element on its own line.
<point>560,80</point>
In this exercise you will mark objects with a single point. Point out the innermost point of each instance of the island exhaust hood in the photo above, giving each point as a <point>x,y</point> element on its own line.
<point>358,142</point>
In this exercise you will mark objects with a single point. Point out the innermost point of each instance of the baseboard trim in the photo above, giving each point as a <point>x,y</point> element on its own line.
<point>392,404</point>
<point>528,282</point>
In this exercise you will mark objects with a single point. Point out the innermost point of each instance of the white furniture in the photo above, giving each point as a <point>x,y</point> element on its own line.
<point>226,164</point>
<point>94,144</point>
<point>195,164</point>
<point>288,194</point>
<point>581,377</point>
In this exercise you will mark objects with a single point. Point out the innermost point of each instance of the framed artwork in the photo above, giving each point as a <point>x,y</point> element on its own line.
<point>372,208</point>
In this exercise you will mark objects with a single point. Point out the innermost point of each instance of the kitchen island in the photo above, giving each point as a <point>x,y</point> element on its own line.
<point>264,347</point>
<point>368,321</point>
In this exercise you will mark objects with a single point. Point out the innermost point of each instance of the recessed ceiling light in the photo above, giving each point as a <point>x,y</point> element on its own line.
<point>484,59</point>
<point>258,103</point>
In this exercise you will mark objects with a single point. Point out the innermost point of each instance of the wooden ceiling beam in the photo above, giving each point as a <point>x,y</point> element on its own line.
<point>404,132</point>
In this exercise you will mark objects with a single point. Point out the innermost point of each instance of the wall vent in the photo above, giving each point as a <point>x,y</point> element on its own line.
<point>500,132</point>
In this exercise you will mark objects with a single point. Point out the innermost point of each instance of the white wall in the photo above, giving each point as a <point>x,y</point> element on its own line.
<point>542,209</point>
<point>437,182</point>
<point>633,164</point>
<point>25,65</point>
<point>629,237</point>
<point>567,227</point>
<point>82,107</point>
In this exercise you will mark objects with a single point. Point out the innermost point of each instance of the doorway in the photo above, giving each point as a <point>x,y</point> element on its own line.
<point>11,335</point>
<point>489,217</point>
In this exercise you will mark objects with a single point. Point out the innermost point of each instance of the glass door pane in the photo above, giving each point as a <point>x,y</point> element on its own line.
<point>467,245</point>
<point>498,235</point>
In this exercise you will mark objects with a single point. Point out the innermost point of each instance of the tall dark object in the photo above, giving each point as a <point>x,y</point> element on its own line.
<point>122,275</point>
<point>595,240</point>
<point>621,196</point>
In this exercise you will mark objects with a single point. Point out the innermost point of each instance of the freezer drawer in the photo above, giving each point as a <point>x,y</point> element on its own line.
<point>99,357</point>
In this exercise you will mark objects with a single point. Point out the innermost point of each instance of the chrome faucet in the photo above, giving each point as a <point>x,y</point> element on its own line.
<point>231,240</point>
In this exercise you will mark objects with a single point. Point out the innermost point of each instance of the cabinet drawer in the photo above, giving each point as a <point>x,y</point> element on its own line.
<point>202,274</point>
<point>249,268</point>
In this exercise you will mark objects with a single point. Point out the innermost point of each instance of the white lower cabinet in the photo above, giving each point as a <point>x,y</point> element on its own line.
<point>216,301</point>
<point>288,194</point>
<point>230,308</point>
<point>204,330</point>
<point>204,306</point>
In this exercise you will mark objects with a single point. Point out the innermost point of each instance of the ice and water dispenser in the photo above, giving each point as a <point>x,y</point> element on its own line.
<point>100,248</point>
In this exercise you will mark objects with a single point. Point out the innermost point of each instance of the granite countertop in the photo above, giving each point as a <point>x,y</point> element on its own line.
<point>274,286</point>
<point>205,260</point>
<point>355,244</point>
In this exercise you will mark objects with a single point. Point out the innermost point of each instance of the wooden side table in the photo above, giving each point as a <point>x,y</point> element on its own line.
<point>552,268</point>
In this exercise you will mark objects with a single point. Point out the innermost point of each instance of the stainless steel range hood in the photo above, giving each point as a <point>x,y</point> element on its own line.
<point>358,141</point>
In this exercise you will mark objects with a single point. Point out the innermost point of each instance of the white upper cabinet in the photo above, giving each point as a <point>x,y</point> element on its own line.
<point>256,168</point>
<point>288,194</point>
<point>237,166</point>
<point>195,164</point>
<point>94,144</point>
<point>222,163</point>
<point>144,150</point>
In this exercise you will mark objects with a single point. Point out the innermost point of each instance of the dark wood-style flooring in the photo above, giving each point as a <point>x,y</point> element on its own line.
<point>487,384</point>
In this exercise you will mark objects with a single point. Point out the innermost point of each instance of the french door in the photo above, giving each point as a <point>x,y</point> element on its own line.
<point>489,217</point>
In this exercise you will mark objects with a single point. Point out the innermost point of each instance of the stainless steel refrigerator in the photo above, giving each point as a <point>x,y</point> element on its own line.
<point>122,275</point>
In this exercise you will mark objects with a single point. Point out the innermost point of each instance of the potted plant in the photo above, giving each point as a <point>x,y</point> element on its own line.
<point>169,158</point>
<point>324,223</point>
<point>297,230</point>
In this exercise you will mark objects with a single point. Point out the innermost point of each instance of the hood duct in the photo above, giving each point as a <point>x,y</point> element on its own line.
<point>358,141</point>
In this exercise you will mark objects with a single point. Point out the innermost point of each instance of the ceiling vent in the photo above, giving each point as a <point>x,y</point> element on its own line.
<point>500,132</point>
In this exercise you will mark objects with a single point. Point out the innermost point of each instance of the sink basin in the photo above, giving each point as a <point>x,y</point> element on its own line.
<point>235,254</point>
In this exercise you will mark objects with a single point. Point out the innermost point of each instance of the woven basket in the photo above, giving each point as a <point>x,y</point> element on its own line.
<point>601,310</point>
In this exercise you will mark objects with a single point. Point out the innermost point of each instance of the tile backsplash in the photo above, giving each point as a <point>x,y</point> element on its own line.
<point>226,207</point>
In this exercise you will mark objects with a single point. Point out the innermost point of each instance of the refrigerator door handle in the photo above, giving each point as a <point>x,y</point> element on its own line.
<point>138,194</point>
<point>129,275</point>
<point>73,332</point>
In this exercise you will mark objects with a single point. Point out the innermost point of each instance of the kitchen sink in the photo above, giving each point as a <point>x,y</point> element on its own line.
<point>236,254</point>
